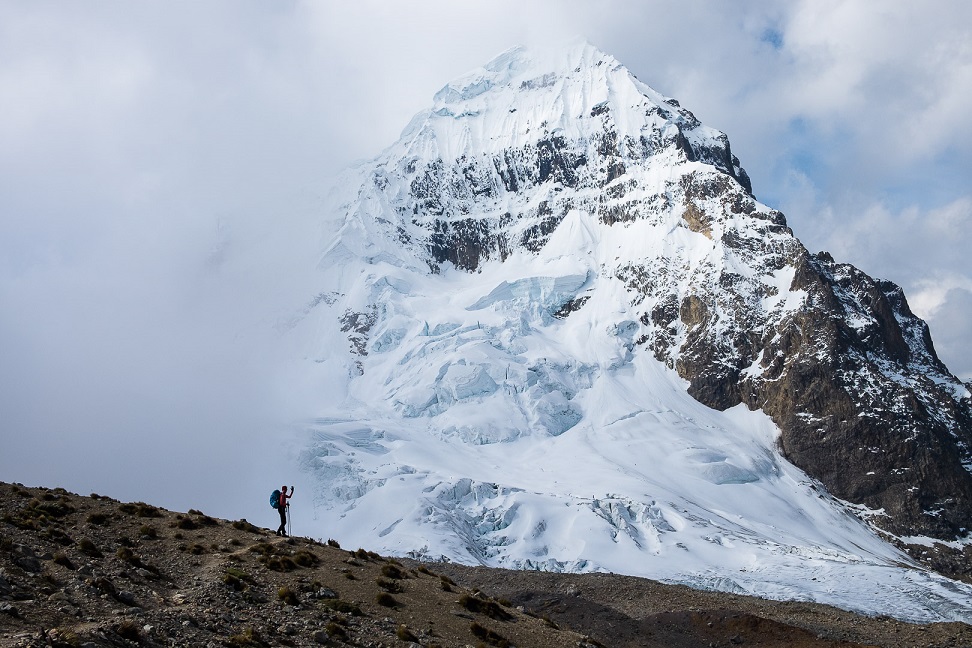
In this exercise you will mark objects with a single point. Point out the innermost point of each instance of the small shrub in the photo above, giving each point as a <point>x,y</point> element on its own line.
<point>186,524</point>
<point>234,581</point>
<point>248,637</point>
<point>195,512</point>
<point>386,599</point>
<point>262,548</point>
<point>342,606</point>
<point>288,596</point>
<point>56,535</point>
<point>236,543</point>
<point>197,549</point>
<point>390,586</point>
<point>425,570</point>
<point>128,629</point>
<point>243,525</point>
<point>126,554</point>
<point>149,532</point>
<point>52,579</point>
<point>61,638</point>
<point>254,597</point>
<point>273,559</point>
<point>279,563</point>
<point>22,521</point>
<point>105,586</point>
<point>306,558</point>
<point>88,548</point>
<point>335,630</point>
<point>492,609</point>
<point>446,579</point>
<point>140,509</point>
<point>333,543</point>
<point>445,586</point>
<point>205,520</point>
<point>54,509</point>
<point>392,571</point>
<point>489,636</point>
<point>62,559</point>
<point>100,519</point>
<point>405,634</point>
<point>239,573</point>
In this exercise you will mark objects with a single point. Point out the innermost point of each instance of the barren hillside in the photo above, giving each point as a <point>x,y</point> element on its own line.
<point>92,571</point>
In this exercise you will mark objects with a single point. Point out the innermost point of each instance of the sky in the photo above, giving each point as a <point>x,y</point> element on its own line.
<point>162,167</point>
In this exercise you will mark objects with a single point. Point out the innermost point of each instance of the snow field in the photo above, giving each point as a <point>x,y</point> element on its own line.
<point>457,459</point>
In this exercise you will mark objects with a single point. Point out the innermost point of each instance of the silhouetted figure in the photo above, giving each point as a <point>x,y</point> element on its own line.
<point>282,505</point>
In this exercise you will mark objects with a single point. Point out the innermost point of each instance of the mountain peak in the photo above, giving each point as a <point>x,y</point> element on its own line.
<point>520,65</point>
<point>563,58</point>
<point>573,93</point>
<point>578,65</point>
<point>556,264</point>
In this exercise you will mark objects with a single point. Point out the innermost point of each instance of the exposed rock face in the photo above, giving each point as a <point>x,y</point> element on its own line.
<point>851,378</point>
<point>727,295</point>
<point>854,384</point>
<point>850,375</point>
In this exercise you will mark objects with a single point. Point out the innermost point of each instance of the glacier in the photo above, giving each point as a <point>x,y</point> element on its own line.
<point>492,404</point>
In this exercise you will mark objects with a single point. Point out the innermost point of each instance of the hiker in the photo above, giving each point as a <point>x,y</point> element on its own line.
<point>282,505</point>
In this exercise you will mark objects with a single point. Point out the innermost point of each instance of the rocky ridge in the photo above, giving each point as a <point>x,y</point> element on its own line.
<point>92,571</point>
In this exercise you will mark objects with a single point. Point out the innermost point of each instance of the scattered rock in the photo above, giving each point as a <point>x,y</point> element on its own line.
<point>232,598</point>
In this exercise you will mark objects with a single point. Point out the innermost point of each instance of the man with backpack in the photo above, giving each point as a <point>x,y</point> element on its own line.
<point>279,501</point>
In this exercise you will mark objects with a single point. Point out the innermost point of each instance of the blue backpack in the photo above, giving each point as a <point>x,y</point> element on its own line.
<point>275,499</point>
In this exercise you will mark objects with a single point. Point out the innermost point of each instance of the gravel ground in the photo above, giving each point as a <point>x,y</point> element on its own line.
<point>629,611</point>
<point>89,571</point>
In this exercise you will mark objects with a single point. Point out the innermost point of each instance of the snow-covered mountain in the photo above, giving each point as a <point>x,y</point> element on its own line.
<point>567,336</point>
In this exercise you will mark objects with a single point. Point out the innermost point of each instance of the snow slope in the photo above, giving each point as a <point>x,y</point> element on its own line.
<point>495,407</point>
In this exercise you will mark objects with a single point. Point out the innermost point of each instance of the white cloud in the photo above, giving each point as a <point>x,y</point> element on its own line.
<point>884,83</point>
<point>932,294</point>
